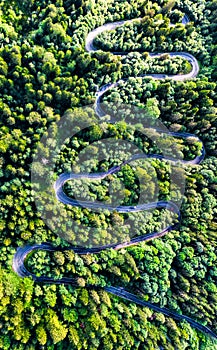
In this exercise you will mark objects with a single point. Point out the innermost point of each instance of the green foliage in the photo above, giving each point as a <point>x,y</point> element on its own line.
<point>45,72</point>
<point>56,329</point>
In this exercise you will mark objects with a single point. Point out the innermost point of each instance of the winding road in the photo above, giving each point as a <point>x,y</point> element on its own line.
<point>23,252</point>
<point>89,46</point>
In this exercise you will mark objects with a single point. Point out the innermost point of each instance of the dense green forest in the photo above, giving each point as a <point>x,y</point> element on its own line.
<point>153,33</point>
<point>45,73</point>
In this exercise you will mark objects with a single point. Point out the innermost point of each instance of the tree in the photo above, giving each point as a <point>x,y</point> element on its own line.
<point>57,330</point>
<point>168,7</point>
<point>41,335</point>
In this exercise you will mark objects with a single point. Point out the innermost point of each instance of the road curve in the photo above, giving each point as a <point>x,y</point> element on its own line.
<point>22,271</point>
<point>23,252</point>
<point>89,46</point>
<point>63,178</point>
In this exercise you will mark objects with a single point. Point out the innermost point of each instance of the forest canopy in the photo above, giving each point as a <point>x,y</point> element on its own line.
<point>45,73</point>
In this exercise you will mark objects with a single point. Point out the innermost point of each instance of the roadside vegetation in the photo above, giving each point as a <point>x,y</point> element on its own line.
<point>46,73</point>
